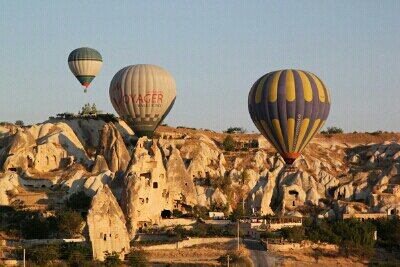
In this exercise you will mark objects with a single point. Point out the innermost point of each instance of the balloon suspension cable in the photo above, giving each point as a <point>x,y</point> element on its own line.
<point>290,168</point>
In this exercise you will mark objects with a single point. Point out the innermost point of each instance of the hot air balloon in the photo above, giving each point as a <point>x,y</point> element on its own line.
<point>85,63</point>
<point>142,95</point>
<point>289,107</point>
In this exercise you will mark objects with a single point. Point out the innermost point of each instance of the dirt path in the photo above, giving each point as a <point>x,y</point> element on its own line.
<point>259,256</point>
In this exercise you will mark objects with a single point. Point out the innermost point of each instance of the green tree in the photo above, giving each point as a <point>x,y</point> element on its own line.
<point>237,130</point>
<point>19,123</point>
<point>200,212</point>
<point>295,234</point>
<point>218,206</point>
<point>93,109</point>
<point>388,232</point>
<point>79,201</point>
<point>237,213</point>
<point>229,143</point>
<point>70,222</point>
<point>35,228</point>
<point>333,130</point>
<point>86,110</point>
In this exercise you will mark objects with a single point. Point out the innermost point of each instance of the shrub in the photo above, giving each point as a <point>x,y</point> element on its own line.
<point>65,116</point>
<point>221,182</point>
<point>235,259</point>
<point>201,230</point>
<point>229,143</point>
<point>138,258</point>
<point>177,213</point>
<point>244,177</point>
<point>76,255</point>
<point>270,235</point>
<point>107,117</point>
<point>332,130</point>
<point>347,248</point>
<point>112,260</point>
<point>42,255</point>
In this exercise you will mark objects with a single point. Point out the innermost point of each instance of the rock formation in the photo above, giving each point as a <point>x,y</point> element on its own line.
<point>182,169</point>
<point>106,226</point>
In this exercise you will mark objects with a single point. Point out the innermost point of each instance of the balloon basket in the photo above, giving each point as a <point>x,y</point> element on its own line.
<point>290,168</point>
<point>85,90</point>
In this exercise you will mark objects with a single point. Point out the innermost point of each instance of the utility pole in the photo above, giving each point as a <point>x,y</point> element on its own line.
<point>228,260</point>
<point>24,258</point>
<point>238,237</point>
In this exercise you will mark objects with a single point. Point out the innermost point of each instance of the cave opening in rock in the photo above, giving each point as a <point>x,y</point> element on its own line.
<point>155,185</point>
<point>12,169</point>
<point>293,192</point>
<point>146,175</point>
<point>166,214</point>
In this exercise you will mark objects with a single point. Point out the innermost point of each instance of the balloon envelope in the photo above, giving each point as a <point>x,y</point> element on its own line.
<point>289,107</point>
<point>85,63</point>
<point>142,95</point>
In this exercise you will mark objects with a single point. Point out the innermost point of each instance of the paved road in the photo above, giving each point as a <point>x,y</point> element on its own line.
<point>258,254</point>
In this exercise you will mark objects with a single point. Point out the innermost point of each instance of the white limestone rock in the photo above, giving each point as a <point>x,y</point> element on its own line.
<point>107,226</point>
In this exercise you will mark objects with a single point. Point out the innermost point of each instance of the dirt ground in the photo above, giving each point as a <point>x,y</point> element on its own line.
<point>308,257</point>
<point>200,254</point>
<point>342,138</point>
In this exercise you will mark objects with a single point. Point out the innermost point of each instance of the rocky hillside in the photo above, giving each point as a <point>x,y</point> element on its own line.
<point>183,169</point>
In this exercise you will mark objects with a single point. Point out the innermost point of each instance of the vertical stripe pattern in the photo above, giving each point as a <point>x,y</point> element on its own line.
<point>142,95</point>
<point>289,107</point>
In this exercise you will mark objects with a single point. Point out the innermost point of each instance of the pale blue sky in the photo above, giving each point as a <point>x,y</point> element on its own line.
<point>215,50</point>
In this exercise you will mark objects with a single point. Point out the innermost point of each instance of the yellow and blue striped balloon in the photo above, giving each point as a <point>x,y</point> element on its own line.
<point>289,107</point>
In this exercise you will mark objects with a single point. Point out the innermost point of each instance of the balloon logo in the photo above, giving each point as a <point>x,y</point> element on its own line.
<point>142,95</point>
<point>289,107</point>
<point>85,63</point>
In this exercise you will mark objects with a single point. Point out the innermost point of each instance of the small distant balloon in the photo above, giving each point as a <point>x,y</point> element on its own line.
<point>289,107</point>
<point>85,63</point>
<point>143,95</point>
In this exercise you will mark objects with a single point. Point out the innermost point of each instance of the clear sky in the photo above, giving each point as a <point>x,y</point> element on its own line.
<point>215,50</point>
